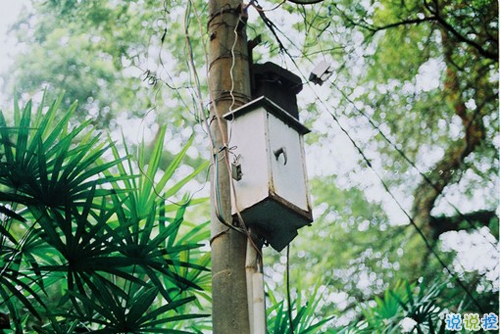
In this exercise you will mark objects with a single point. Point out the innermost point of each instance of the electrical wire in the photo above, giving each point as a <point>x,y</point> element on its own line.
<point>202,117</point>
<point>233,63</point>
<point>288,293</point>
<point>407,159</point>
<point>152,79</point>
<point>216,151</point>
<point>385,137</point>
<point>218,202</point>
<point>260,9</point>
<point>226,139</point>
<point>224,149</point>
<point>410,218</point>
<point>232,181</point>
<point>386,188</point>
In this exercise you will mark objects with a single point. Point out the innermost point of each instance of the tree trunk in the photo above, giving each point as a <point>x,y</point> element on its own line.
<point>443,172</point>
<point>229,85</point>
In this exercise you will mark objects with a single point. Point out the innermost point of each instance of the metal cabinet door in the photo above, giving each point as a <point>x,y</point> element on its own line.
<point>288,174</point>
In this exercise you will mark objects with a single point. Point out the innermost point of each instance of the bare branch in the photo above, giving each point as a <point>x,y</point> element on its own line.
<point>444,224</point>
<point>485,53</point>
<point>427,193</point>
<point>403,23</point>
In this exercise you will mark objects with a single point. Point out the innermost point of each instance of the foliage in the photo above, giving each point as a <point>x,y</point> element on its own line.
<point>109,56</point>
<point>414,91</point>
<point>421,306</point>
<point>90,241</point>
<point>304,316</point>
<point>412,102</point>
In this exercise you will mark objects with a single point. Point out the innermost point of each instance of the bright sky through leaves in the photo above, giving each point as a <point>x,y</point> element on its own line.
<point>9,10</point>
<point>351,199</point>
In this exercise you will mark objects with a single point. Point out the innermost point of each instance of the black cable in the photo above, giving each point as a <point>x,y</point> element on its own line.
<point>412,222</point>
<point>408,160</point>
<point>405,157</point>
<point>288,294</point>
<point>400,151</point>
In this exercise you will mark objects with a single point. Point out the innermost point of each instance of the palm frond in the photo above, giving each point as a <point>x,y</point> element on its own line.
<point>93,230</point>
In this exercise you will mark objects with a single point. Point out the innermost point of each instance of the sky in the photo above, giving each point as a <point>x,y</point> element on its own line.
<point>9,11</point>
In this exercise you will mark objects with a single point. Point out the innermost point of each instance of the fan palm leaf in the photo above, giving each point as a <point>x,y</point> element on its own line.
<point>91,229</point>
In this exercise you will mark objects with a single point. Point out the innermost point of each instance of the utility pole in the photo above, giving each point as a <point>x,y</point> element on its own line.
<point>229,85</point>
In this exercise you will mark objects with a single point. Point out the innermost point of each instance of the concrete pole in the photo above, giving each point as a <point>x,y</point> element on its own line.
<point>229,85</point>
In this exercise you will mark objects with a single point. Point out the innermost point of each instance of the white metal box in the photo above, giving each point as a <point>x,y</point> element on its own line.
<point>272,193</point>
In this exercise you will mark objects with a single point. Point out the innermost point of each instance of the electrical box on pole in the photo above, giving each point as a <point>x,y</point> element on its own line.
<point>266,143</point>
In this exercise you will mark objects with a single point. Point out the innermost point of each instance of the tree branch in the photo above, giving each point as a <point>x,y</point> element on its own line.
<point>485,53</point>
<point>472,220</point>
<point>429,190</point>
<point>402,23</point>
<point>435,17</point>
